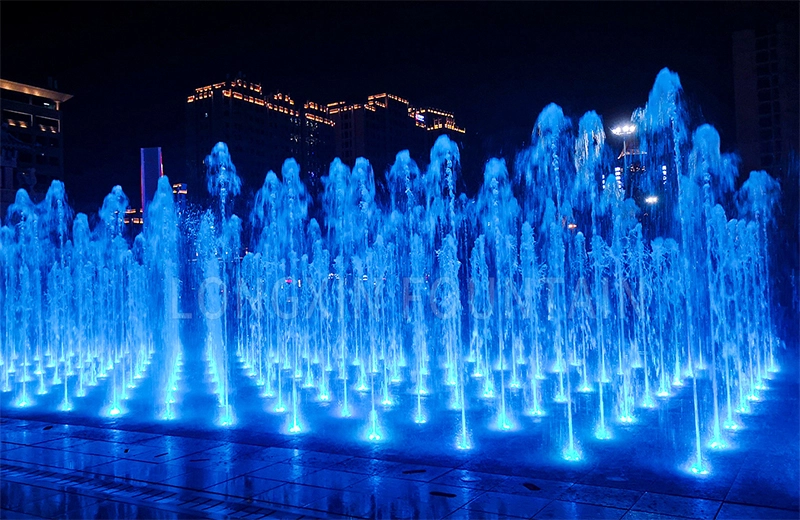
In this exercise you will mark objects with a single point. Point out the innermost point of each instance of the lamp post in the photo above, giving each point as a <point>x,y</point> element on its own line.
<point>624,131</point>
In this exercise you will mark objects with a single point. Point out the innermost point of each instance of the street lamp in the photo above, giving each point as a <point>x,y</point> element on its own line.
<point>623,129</point>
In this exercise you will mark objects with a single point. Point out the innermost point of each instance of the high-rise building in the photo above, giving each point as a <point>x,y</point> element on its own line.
<point>151,168</point>
<point>316,143</point>
<point>261,130</point>
<point>32,144</point>
<point>436,122</point>
<point>385,125</point>
<point>765,84</point>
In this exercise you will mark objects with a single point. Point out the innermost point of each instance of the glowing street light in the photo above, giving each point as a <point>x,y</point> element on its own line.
<point>651,199</point>
<point>623,129</point>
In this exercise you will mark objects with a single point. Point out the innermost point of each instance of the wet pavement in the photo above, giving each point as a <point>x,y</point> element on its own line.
<point>54,465</point>
<point>56,470</point>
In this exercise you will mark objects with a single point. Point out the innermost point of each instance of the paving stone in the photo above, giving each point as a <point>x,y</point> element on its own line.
<point>540,488</point>
<point>56,458</point>
<point>740,511</point>
<point>15,515</point>
<point>242,466</point>
<point>245,486</point>
<point>463,513</point>
<point>641,515</point>
<point>316,459</point>
<point>142,471</point>
<point>366,466</point>
<point>198,479</point>
<point>470,479</point>
<point>503,504</point>
<point>292,494</point>
<point>560,510</point>
<point>331,479</point>
<point>283,471</point>
<point>63,443</point>
<point>67,471</point>
<point>677,506</point>
<point>772,483</point>
<point>273,454</point>
<point>416,472</point>
<point>112,449</point>
<point>15,496</point>
<point>114,509</point>
<point>384,505</point>
<point>601,496</point>
<point>54,505</point>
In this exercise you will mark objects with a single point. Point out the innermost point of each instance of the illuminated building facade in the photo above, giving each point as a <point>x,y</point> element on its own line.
<point>33,148</point>
<point>316,144</point>
<point>261,130</point>
<point>386,124</point>
<point>151,168</point>
<point>134,217</point>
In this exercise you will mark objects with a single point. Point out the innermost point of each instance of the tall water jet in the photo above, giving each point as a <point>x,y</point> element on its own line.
<point>546,303</point>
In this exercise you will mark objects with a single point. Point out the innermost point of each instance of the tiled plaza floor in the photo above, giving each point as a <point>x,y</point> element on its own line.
<point>51,470</point>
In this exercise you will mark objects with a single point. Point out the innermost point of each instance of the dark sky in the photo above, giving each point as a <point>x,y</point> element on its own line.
<point>130,66</point>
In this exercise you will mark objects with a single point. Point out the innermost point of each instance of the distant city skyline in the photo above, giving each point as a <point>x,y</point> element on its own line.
<point>494,65</point>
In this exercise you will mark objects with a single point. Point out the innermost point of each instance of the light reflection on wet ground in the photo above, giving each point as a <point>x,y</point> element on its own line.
<point>98,470</point>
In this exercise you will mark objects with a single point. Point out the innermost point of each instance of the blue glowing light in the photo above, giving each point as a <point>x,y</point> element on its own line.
<point>571,454</point>
<point>416,303</point>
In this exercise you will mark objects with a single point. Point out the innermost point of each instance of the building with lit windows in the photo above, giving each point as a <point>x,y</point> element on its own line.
<point>32,143</point>
<point>261,130</point>
<point>386,124</point>
<point>317,142</point>
<point>134,217</point>
<point>180,191</point>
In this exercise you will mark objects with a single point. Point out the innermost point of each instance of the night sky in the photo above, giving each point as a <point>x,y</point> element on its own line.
<point>130,66</point>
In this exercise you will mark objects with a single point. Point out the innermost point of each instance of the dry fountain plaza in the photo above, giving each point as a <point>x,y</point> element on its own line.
<point>58,467</point>
<point>408,351</point>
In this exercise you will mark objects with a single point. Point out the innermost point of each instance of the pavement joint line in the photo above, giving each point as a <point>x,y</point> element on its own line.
<point>42,475</point>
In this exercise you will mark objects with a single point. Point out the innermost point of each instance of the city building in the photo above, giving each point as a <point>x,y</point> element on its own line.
<point>766,94</point>
<point>385,125</point>
<point>134,217</point>
<point>151,168</point>
<point>261,130</point>
<point>32,143</point>
<point>316,144</point>
<point>11,148</point>
<point>180,191</point>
